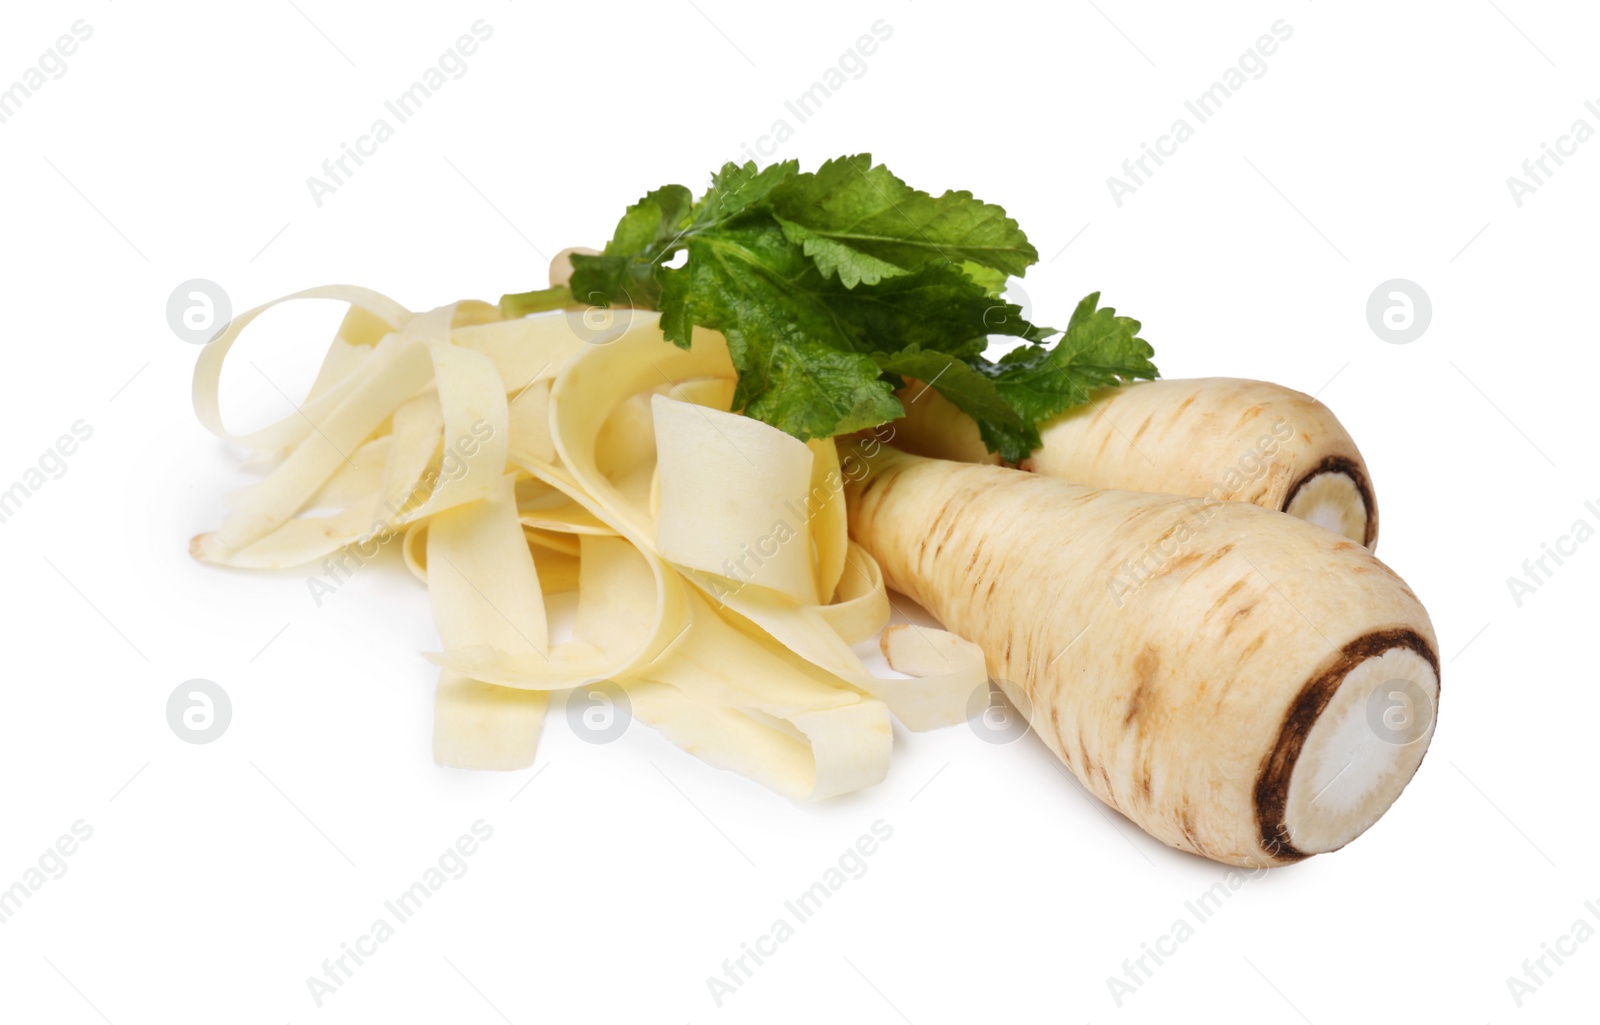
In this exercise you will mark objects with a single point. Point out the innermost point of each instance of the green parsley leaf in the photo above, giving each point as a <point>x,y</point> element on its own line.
<point>752,280</point>
<point>739,188</point>
<point>862,223</point>
<point>797,370</point>
<point>625,272</point>
<point>1011,444</point>
<point>973,393</point>
<point>833,287</point>
<point>993,281</point>
<point>1098,349</point>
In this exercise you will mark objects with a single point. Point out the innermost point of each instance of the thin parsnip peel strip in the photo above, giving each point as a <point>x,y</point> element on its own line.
<point>481,579</point>
<point>837,741</point>
<point>738,524</point>
<point>481,726</point>
<point>825,514</point>
<point>380,312</point>
<point>860,608</point>
<point>943,666</point>
<point>391,379</point>
<point>512,460</point>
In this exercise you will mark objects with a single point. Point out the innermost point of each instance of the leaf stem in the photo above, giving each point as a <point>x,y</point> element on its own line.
<point>520,304</point>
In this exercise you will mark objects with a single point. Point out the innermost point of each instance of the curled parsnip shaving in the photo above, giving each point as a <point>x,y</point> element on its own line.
<point>934,658</point>
<point>861,602</point>
<point>481,726</point>
<point>380,316</point>
<point>755,537</point>
<point>482,582</point>
<point>830,527</point>
<point>801,733</point>
<point>584,397</point>
<point>516,459</point>
<point>776,719</point>
<point>780,515</point>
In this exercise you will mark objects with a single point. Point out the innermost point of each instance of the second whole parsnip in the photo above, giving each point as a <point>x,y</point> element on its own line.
<point>1219,438</point>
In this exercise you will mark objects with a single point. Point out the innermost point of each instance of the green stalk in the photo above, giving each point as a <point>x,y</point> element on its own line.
<point>520,304</point>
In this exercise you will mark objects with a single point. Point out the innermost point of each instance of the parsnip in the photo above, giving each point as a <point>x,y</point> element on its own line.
<point>1226,703</point>
<point>1215,437</point>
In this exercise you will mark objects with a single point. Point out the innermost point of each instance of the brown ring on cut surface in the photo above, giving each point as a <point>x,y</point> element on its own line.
<point>1272,786</point>
<point>1351,469</point>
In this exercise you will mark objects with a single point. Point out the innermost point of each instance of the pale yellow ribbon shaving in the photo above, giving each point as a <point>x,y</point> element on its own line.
<point>511,460</point>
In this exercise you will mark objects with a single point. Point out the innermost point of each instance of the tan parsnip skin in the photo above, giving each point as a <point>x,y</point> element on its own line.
<point>1224,438</point>
<point>1194,701</point>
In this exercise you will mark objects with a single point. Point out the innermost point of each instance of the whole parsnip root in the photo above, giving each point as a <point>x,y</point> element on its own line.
<point>1216,437</point>
<point>1264,694</point>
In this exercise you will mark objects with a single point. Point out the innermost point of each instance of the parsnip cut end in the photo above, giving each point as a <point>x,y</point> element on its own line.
<point>1362,750</point>
<point>1331,500</point>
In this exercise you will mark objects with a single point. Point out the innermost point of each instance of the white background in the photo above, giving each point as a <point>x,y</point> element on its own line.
<point>219,877</point>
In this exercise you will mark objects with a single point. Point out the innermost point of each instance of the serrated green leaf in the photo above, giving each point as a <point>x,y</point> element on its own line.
<point>624,274</point>
<point>1010,443</point>
<point>1098,349</point>
<point>797,370</point>
<point>864,209</point>
<point>971,392</point>
<point>993,281</point>
<point>834,257</point>
<point>651,222</point>
<point>833,287</point>
<point>738,188</point>
<point>808,389</point>
<point>937,308</point>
